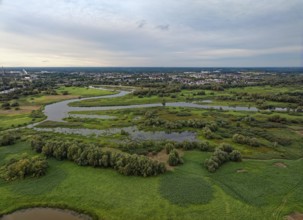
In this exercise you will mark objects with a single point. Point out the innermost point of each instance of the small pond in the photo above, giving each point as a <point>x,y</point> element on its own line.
<point>45,214</point>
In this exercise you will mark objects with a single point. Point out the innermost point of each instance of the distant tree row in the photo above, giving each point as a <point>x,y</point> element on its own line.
<point>26,166</point>
<point>90,155</point>
<point>221,155</point>
<point>157,91</point>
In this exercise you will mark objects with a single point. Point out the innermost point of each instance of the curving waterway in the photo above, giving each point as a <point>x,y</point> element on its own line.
<point>60,110</point>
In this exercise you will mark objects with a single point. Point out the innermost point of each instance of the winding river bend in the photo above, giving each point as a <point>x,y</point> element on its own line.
<point>60,110</point>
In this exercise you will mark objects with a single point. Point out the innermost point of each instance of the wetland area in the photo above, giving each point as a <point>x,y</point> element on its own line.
<point>101,154</point>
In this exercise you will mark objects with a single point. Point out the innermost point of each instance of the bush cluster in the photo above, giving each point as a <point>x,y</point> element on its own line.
<point>241,139</point>
<point>222,155</point>
<point>174,159</point>
<point>191,123</point>
<point>91,155</point>
<point>146,147</point>
<point>8,138</point>
<point>25,167</point>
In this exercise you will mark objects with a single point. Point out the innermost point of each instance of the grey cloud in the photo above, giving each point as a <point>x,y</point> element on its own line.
<point>213,32</point>
<point>141,23</point>
<point>163,27</point>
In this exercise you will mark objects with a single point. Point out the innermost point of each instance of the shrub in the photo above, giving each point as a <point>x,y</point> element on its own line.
<point>174,158</point>
<point>241,139</point>
<point>169,147</point>
<point>222,155</point>
<point>235,156</point>
<point>26,166</point>
<point>90,155</point>
<point>9,138</point>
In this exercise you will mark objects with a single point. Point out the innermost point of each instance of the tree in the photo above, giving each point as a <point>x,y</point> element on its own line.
<point>15,104</point>
<point>235,156</point>
<point>19,168</point>
<point>169,147</point>
<point>174,158</point>
<point>6,105</point>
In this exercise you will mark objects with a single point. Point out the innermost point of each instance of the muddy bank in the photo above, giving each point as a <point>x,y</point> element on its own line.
<point>45,214</point>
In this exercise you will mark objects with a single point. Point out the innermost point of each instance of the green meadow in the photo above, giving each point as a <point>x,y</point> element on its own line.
<point>252,189</point>
<point>267,184</point>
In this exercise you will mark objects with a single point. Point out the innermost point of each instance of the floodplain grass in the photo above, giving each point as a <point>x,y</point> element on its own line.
<point>109,195</point>
<point>85,91</point>
<point>253,189</point>
<point>129,99</point>
<point>10,118</point>
<point>287,136</point>
<point>10,121</point>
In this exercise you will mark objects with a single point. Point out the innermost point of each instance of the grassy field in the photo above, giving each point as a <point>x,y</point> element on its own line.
<point>261,190</point>
<point>267,185</point>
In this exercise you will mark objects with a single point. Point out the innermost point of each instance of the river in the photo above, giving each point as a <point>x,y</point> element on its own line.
<point>60,110</point>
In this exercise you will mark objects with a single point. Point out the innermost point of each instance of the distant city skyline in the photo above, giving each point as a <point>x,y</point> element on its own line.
<point>153,33</point>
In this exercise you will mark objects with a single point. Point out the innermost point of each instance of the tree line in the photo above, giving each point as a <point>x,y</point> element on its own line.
<point>85,154</point>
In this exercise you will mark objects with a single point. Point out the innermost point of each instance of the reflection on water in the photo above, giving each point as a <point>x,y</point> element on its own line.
<point>92,116</point>
<point>45,214</point>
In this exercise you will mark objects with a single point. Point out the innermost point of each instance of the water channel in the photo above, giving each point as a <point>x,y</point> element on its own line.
<point>60,110</point>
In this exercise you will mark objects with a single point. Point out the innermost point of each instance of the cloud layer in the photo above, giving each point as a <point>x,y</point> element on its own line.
<point>151,33</point>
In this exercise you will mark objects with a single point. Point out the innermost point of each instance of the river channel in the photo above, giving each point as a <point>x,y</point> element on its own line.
<point>60,110</point>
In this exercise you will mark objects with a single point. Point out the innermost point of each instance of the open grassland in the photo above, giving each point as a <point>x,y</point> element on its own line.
<point>14,120</point>
<point>261,190</point>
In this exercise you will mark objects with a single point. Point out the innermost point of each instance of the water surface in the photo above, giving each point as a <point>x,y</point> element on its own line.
<point>45,214</point>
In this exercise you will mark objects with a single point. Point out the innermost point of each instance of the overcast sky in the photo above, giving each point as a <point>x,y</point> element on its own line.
<point>199,33</point>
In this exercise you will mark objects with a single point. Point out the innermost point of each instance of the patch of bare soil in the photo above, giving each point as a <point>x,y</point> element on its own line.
<point>241,171</point>
<point>295,216</point>
<point>280,164</point>
<point>23,110</point>
<point>163,157</point>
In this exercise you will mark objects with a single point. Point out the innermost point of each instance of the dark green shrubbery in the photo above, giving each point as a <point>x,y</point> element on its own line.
<point>174,158</point>
<point>241,139</point>
<point>8,138</point>
<point>19,168</point>
<point>222,155</point>
<point>90,155</point>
